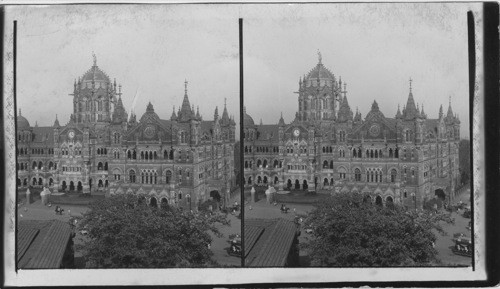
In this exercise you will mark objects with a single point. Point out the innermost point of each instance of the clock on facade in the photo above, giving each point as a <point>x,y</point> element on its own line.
<point>374,130</point>
<point>296,132</point>
<point>149,132</point>
<point>71,134</point>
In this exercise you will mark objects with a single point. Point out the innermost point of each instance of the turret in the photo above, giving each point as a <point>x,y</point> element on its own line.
<point>225,116</point>
<point>56,122</point>
<point>345,112</point>
<point>281,122</point>
<point>398,114</point>
<point>174,116</point>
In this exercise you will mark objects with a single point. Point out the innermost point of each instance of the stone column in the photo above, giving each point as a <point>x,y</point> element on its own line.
<point>28,197</point>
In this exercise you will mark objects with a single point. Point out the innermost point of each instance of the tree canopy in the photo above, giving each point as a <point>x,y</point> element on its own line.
<point>348,231</point>
<point>124,232</point>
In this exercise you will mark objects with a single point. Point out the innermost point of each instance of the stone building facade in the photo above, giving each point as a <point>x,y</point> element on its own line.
<point>405,159</point>
<point>181,160</point>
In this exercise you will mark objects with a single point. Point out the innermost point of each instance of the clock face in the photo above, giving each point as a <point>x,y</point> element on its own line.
<point>71,134</point>
<point>296,132</point>
<point>149,132</point>
<point>374,130</point>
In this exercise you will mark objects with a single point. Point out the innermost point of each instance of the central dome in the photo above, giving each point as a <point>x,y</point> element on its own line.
<point>320,71</point>
<point>95,74</point>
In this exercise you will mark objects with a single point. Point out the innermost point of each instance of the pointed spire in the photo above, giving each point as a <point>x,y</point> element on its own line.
<point>319,57</point>
<point>398,114</point>
<point>441,111</point>
<point>225,116</point>
<point>216,113</point>
<point>95,58</point>
<point>410,111</point>
<point>198,116</point>
<point>173,117</point>
<point>56,122</point>
<point>185,112</point>
<point>449,114</point>
<point>281,122</point>
<point>345,112</point>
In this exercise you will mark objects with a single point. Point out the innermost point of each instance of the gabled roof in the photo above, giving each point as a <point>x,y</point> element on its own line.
<point>271,129</point>
<point>268,242</point>
<point>44,134</point>
<point>41,244</point>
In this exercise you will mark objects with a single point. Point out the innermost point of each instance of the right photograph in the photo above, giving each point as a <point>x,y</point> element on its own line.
<point>356,136</point>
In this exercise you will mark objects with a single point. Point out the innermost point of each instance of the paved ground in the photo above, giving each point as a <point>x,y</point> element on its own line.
<point>261,209</point>
<point>37,211</point>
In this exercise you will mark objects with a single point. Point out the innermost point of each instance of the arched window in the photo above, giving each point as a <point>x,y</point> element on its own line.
<point>331,164</point>
<point>106,166</point>
<point>99,166</point>
<point>168,177</point>
<point>354,154</point>
<point>393,175</point>
<point>357,175</point>
<point>264,164</point>
<point>342,173</point>
<point>259,162</point>
<point>276,163</point>
<point>325,164</point>
<point>396,153</point>
<point>376,154</point>
<point>134,155</point>
<point>165,154</point>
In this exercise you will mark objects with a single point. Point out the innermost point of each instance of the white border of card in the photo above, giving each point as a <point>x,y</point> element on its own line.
<point>237,275</point>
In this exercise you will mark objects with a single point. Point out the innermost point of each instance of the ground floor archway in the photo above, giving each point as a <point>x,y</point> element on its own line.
<point>25,182</point>
<point>164,203</point>
<point>304,185</point>
<point>378,201</point>
<point>100,184</point>
<point>440,194</point>
<point>63,186</point>
<point>79,187</point>
<point>297,184</point>
<point>276,180</point>
<point>265,180</point>
<point>389,201</point>
<point>367,199</point>
<point>18,182</point>
<point>71,186</point>
<point>289,184</point>
<point>215,195</point>
<point>153,202</point>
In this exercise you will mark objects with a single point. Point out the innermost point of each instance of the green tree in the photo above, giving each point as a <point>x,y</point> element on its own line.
<point>348,231</point>
<point>123,232</point>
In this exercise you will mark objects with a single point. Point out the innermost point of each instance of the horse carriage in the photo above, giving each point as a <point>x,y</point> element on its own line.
<point>234,248</point>
<point>463,247</point>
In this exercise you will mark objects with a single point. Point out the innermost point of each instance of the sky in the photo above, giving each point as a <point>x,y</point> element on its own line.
<point>375,48</point>
<point>150,50</point>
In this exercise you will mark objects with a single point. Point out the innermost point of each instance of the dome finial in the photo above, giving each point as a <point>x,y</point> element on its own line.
<point>185,86</point>
<point>319,57</point>
<point>95,58</point>
<point>411,80</point>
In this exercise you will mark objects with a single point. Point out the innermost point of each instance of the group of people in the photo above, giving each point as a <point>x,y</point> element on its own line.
<point>59,210</point>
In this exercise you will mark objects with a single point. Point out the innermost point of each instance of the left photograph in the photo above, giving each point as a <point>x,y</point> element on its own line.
<point>127,137</point>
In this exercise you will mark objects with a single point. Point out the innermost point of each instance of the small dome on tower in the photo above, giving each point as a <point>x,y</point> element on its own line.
<point>22,122</point>
<point>247,120</point>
